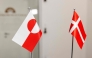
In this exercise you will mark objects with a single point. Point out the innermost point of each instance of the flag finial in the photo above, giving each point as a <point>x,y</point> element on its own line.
<point>74,9</point>
<point>29,8</point>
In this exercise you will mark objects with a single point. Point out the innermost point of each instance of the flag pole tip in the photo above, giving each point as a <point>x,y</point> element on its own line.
<point>29,8</point>
<point>74,9</point>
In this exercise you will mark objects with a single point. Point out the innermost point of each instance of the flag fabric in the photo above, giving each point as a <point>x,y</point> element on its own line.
<point>77,29</point>
<point>28,34</point>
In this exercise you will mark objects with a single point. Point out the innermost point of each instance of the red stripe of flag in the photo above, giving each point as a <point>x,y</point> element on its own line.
<point>71,26</point>
<point>75,16</point>
<point>76,34</point>
<point>82,30</point>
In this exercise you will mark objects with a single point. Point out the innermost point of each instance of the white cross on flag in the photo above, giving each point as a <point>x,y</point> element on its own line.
<point>28,34</point>
<point>77,30</point>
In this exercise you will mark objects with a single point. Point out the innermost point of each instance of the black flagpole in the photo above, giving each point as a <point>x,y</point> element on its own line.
<point>31,52</point>
<point>72,47</point>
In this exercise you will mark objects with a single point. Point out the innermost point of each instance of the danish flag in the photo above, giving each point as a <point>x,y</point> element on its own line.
<point>28,34</point>
<point>77,30</point>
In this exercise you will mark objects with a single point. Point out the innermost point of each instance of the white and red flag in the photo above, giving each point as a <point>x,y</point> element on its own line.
<point>77,29</point>
<point>29,33</point>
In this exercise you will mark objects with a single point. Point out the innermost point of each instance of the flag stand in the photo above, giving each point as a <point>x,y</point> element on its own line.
<point>72,47</point>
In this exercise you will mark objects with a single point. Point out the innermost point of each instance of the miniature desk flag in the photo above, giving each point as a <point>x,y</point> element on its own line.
<point>77,30</point>
<point>28,34</point>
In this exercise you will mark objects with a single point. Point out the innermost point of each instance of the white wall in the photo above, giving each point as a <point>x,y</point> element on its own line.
<point>89,29</point>
<point>56,16</point>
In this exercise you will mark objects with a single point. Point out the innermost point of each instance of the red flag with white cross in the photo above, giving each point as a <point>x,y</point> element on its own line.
<point>77,29</point>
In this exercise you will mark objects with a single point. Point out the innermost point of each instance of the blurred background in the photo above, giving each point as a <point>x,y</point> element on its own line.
<point>54,18</point>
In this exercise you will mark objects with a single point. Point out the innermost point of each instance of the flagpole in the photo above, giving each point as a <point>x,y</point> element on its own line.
<point>31,52</point>
<point>72,47</point>
<point>31,55</point>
